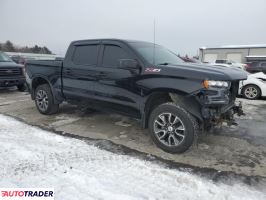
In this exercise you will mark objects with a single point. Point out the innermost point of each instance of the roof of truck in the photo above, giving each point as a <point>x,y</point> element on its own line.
<point>111,39</point>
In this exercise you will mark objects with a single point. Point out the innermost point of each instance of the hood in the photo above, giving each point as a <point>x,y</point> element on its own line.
<point>201,71</point>
<point>9,64</point>
<point>259,75</point>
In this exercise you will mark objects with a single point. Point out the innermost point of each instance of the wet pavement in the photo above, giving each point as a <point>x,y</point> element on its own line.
<point>239,149</point>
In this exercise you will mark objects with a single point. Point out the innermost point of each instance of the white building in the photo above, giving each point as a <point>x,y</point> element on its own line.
<point>237,53</point>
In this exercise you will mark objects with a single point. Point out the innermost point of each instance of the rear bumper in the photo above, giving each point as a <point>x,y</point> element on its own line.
<point>14,81</point>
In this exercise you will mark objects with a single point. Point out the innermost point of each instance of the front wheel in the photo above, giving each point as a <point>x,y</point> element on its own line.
<point>251,92</point>
<point>172,128</point>
<point>44,100</point>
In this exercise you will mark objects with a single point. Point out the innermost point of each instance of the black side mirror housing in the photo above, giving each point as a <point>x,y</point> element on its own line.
<point>128,64</point>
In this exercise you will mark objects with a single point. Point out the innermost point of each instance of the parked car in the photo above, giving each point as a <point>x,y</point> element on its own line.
<point>172,98</point>
<point>254,87</point>
<point>230,63</point>
<point>21,59</point>
<point>11,74</point>
<point>258,66</point>
<point>190,60</point>
<point>228,66</point>
<point>18,59</point>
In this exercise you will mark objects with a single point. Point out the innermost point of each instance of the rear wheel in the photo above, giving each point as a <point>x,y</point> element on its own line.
<point>172,128</point>
<point>251,92</point>
<point>44,100</point>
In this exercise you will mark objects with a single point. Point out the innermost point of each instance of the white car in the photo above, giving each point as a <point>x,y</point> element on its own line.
<point>254,87</point>
<point>230,63</point>
<point>231,66</point>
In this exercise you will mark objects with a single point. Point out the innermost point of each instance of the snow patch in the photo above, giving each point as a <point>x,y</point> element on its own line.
<point>31,157</point>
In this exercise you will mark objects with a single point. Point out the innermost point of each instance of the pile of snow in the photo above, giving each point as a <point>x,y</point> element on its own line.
<point>31,157</point>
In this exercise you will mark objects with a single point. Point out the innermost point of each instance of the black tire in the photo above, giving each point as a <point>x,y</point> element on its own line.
<point>188,122</point>
<point>21,87</point>
<point>49,107</point>
<point>251,92</point>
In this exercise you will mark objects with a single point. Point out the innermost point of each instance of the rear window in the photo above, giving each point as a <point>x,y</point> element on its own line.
<point>86,55</point>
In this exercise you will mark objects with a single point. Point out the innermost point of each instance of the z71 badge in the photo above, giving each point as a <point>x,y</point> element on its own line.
<point>152,70</point>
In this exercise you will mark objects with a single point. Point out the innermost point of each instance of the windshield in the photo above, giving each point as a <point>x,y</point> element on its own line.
<point>4,57</point>
<point>156,54</point>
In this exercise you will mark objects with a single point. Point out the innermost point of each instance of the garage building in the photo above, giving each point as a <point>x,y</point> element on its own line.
<point>237,53</point>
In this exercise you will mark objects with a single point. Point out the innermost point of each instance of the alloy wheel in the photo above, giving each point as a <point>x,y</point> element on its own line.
<point>169,129</point>
<point>251,92</point>
<point>42,100</point>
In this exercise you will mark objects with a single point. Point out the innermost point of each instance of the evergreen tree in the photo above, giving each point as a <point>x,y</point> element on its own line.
<point>8,46</point>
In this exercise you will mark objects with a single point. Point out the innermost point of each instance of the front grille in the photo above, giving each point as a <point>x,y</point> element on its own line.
<point>10,72</point>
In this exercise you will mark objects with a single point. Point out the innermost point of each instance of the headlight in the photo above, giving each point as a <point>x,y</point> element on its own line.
<point>210,83</point>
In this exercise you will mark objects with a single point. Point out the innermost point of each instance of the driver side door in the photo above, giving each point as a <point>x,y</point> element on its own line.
<point>115,86</point>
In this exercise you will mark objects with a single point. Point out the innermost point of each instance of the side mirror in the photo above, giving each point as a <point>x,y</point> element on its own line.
<point>128,64</point>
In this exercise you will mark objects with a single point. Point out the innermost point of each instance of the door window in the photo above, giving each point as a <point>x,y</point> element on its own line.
<point>112,54</point>
<point>85,55</point>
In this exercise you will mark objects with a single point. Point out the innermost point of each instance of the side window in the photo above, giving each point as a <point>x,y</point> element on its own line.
<point>112,54</point>
<point>85,55</point>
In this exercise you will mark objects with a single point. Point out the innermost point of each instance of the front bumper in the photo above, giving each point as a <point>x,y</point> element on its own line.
<point>14,81</point>
<point>219,104</point>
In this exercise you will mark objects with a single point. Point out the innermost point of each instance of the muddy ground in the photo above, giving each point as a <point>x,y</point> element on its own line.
<point>240,149</point>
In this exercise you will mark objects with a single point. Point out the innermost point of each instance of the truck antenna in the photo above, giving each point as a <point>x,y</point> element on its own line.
<point>154,42</point>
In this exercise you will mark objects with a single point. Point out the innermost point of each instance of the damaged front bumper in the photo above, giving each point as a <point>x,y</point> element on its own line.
<point>219,105</point>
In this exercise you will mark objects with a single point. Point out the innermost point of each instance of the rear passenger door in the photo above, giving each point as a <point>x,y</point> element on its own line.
<point>115,86</point>
<point>78,73</point>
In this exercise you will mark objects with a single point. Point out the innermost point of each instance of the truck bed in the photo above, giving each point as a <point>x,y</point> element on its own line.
<point>47,68</point>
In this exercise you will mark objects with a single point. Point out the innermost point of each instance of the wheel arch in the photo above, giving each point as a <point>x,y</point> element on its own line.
<point>155,98</point>
<point>40,80</point>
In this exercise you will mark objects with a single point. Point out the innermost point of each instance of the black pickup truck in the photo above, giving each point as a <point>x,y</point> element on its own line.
<point>11,74</point>
<point>175,100</point>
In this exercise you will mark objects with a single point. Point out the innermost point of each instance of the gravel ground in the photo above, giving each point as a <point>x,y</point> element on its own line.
<point>239,149</point>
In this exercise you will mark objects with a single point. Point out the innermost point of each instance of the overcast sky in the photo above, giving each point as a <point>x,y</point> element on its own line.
<point>181,25</point>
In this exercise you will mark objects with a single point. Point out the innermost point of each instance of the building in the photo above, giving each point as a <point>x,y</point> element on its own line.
<point>237,53</point>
